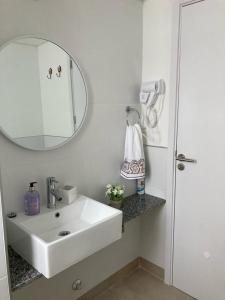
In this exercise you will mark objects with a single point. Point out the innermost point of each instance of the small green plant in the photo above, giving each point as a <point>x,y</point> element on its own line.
<point>115,192</point>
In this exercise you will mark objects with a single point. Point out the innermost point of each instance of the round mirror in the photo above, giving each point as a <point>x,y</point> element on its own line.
<point>43,95</point>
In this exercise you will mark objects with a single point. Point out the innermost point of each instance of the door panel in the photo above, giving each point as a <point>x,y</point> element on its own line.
<point>199,238</point>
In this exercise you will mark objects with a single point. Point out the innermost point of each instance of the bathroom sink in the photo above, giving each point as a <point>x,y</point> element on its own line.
<point>59,238</point>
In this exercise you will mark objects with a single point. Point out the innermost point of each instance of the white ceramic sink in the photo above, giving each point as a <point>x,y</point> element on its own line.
<point>91,226</point>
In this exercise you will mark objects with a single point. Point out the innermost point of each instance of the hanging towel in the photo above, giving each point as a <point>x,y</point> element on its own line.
<point>133,166</point>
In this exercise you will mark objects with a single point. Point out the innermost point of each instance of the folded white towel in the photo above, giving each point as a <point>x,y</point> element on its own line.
<point>133,166</point>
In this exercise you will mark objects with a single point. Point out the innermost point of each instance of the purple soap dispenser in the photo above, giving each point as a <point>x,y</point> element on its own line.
<point>32,201</point>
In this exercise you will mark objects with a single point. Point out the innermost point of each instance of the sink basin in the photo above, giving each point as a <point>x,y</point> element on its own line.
<point>59,238</point>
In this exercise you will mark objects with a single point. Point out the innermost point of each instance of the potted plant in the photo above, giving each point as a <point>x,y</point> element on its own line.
<point>115,194</point>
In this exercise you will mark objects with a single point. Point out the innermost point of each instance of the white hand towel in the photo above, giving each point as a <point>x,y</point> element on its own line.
<point>133,166</point>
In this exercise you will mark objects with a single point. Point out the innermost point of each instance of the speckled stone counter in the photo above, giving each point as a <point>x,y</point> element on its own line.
<point>136,205</point>
<point>21,273</point>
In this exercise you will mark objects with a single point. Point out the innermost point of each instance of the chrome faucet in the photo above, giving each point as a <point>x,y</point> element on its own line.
<point>52,194</point>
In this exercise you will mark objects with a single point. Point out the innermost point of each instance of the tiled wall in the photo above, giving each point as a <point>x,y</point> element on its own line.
<point>106,39</point>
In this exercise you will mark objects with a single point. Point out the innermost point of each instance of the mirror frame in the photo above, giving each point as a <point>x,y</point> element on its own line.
<point>3,132</point>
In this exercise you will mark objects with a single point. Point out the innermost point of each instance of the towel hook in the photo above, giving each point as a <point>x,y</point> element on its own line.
<point>131,109</point>
<point>49,76</point>
<point>59,69</point>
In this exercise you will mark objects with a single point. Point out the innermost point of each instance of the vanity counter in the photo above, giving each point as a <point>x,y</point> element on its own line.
<point>136,205</point>
<point>22,273</point>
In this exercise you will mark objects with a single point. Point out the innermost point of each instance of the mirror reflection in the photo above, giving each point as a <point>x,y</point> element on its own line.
<point>42,94</point>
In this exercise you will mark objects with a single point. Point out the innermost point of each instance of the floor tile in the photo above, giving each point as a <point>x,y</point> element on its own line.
<point>142,286</point>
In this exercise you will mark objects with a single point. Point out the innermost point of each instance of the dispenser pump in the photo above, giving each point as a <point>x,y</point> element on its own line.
<point>32,186</point>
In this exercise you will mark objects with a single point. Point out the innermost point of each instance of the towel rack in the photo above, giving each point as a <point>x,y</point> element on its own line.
<point>132,109</point>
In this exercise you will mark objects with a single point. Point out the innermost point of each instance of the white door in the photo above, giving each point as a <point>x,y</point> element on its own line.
<point>199,237</point>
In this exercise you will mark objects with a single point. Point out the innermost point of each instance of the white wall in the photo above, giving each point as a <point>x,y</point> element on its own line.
<point>157,43</point>
<point>4,287</point>
<point>106,38</point>
<point>156,58</point>
<point>2,249</point>
<point>112,67</point>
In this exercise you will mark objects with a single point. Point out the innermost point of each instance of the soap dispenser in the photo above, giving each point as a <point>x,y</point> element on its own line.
<point>32,201</point>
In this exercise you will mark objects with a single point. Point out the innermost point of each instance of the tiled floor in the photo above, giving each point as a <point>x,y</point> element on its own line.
<point>142,286</point>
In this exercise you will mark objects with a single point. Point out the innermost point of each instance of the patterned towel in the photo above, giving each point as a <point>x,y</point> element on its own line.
<point>133,166</point>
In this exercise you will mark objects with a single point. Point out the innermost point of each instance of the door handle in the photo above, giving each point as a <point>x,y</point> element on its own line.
<point>181,157</point>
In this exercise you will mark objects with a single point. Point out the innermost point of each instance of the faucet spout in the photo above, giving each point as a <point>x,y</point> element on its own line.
<point>52,195</point>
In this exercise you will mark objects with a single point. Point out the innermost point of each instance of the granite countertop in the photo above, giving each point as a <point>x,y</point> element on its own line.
<point>136,205</point>
<point>22,273</point>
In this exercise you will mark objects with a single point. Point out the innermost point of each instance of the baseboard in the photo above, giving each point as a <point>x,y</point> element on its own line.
<point>151,268</point>
<point>118,277</point>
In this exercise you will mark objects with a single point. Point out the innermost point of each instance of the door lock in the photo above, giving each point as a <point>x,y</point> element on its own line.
<point>181,167</point>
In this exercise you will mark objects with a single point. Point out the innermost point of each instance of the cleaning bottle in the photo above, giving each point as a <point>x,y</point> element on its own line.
<point>140,187</point>
<point>32,201</point>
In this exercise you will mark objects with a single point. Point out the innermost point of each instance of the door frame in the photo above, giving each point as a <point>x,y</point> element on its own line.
<point>172,140</point>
